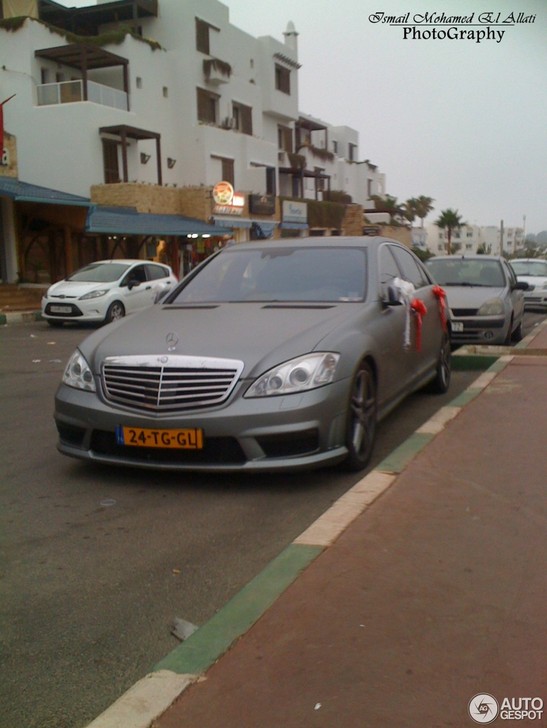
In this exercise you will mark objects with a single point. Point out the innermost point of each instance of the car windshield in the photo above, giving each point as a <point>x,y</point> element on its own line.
<point>99,273</point>
<point>470,272</point>
<point>530,267</point>
<point>279,274</point>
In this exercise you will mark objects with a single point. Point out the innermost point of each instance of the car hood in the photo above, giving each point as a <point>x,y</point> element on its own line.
<point>74,289</point>
<point>472,296</point>
<point>536,281</point>
<point>258,334</point>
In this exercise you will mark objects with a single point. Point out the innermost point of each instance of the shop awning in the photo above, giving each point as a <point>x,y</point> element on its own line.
<point>264,229</point>
<point>127,221</point>
<point>294,226</point>
<point>25,192</point>
<point>233,222</point>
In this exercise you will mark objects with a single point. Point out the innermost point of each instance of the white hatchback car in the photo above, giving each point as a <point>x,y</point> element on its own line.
<point>534,272</point>
<point>107,290</point>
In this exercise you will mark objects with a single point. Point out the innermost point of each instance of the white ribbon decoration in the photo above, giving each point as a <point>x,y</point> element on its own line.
<point>405,291</point>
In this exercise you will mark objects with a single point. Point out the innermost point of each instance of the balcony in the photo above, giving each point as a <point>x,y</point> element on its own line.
<point>67,92</point>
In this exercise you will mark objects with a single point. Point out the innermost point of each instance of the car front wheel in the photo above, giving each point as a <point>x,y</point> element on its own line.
<point>115,311</point>
<point>361,420</point>
<point>441,381</point>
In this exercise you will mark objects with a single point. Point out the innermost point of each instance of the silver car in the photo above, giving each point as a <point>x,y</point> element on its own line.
<point>532,271</point>
<point>485,298</point>
<point>270,356</point>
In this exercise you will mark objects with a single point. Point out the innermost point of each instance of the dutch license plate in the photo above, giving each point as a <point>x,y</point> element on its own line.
<point>60,309</point>
<point>457,326</point>
<point>184,439</point>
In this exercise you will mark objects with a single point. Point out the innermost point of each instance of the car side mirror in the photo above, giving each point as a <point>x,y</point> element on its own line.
<point>392,298</point>
<point>521,286</point>
<point>133,283</point>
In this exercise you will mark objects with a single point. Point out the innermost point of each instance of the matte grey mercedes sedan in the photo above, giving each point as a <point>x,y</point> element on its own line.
<point>275,355</point>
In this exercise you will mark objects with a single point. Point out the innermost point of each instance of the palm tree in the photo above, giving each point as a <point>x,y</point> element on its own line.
<point>449,220</point>
<point>422,207</point>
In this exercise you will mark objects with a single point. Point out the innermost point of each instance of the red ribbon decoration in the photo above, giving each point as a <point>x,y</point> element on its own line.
<point>419,309</point>
<point>441,297</point>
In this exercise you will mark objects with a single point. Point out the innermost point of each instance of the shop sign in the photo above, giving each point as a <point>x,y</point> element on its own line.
<point>227,202</point>
<point>295,211</point>
<point>262,204</point>
<point>371,230</point>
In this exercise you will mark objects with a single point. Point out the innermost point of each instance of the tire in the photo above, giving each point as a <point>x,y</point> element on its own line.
<point>441,381</point>
<point>115,312</point>
<point>516,336</point>
<point>361,419</point>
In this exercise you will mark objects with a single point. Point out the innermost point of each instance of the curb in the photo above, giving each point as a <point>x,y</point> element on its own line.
<point>20,316</point>
<point>189,661</point>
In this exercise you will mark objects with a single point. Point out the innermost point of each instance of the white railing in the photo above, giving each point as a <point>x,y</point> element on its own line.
<point>66,92</point>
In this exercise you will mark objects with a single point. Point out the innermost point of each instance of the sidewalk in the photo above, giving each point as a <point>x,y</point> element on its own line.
<point>422,587</point>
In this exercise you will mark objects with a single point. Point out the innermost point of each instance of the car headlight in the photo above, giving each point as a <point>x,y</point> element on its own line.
<point>94,294</point>
<point>297,375</point>
<point>78,374</point>
<point>493,307</point>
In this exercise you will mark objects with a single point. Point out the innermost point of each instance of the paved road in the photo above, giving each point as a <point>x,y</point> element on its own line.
<point>97,562</point>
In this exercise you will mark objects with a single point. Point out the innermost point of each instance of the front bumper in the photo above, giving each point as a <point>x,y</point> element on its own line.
<point>479,330</point>
<point>62,310</point>
<point>287,433</point>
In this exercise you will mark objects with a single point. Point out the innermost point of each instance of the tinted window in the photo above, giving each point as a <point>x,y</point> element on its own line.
<point>137,273</point>
<point>388,267</point>
<point>156,271</point>
<point>411,269</point>
<point>280,274</point>
<point>99,273</point>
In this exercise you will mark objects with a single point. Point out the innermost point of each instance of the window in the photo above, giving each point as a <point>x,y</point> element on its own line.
<point>284,138</point>
<point>243,118</point>
<point>207,106</point>
<point>352,152</point>
<point>388,267</point>
<point>202,36</point>
<point>110,161</point>
<point>410,268</point>
<point>138,82</point>
<point>165,92</point>
<point>335,146</point>
<point>227,169</point>
<point>282,79</point>
<point>155,272</point>
<point>270,181</point>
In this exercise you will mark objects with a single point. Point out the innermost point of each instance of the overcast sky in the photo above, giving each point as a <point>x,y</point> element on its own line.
<point>459,121</point>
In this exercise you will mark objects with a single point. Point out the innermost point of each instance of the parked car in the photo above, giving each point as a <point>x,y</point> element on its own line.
<point>271,355</point>
<point>532,271</point>
<point>106,291</point>
<point>485,298</point>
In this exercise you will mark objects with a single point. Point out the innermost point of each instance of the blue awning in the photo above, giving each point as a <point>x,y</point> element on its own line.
<point>25,192</point>
<point>264,229</point>
<point>127,221</point>
<point>233,222</point>
<point>294,225</point>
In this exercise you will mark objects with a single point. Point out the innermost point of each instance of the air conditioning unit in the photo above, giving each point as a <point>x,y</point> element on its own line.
<point>280,156</point>
<point>228,122</point>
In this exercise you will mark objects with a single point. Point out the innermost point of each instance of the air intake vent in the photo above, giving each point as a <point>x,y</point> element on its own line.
<point>169,383</point>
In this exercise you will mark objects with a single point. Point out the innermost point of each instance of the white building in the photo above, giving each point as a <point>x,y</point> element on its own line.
<point>184,99</point>
<point>470,239</point>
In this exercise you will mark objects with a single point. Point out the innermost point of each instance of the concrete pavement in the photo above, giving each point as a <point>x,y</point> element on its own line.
<point>419,599</point>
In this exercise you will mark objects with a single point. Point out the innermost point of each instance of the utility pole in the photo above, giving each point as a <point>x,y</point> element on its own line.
<point>501,238</point>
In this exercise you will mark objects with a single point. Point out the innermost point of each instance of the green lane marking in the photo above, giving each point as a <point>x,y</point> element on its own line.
<point>209,642</point>
<point>397,460</point>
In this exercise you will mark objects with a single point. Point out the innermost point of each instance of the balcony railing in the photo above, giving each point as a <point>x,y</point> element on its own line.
<point>67,92</point>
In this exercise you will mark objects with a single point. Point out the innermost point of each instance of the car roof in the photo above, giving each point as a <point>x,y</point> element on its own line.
<point>465,257</point>
<point>127,261</point>
<point>331,241</point>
